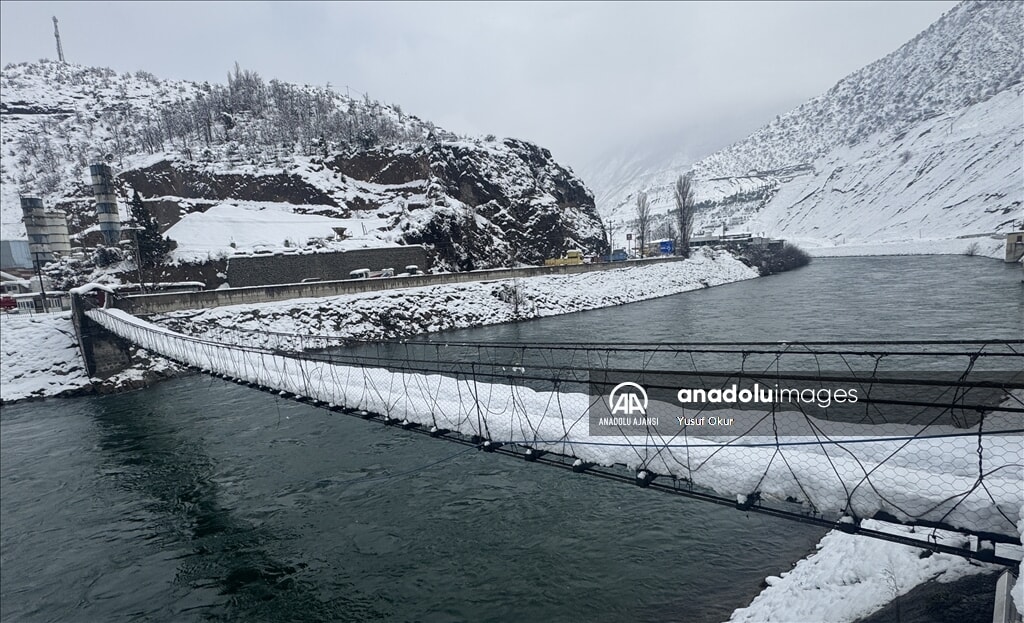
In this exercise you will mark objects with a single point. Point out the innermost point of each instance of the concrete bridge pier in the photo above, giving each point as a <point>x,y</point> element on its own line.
<point>104,353</point>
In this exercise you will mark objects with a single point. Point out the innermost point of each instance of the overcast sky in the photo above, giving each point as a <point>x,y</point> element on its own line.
<point>577,78</point>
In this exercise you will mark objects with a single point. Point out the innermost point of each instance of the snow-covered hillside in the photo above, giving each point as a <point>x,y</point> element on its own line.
<point>954,174</point>
<point>185,147</point>
<point>924,143</point>
<point>58,118</point>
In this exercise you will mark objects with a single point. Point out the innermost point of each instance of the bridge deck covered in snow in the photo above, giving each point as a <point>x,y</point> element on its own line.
<point>934,439</point>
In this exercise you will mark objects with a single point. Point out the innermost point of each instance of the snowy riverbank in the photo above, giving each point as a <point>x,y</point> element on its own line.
<point>982,247</point>
<point>40,357</point>
<point>401,313</point>
<point>846,579</point>
<point>41,360</point>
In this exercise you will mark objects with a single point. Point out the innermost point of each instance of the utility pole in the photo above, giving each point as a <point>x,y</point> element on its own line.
<point>39,273</point>
<point>56,34</point>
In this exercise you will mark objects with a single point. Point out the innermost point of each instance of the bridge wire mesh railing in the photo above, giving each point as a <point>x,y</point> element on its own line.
<point>935,440</point>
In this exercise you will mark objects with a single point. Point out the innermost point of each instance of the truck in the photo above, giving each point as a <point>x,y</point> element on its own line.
<point>571,258</point>
<point>366,273</point>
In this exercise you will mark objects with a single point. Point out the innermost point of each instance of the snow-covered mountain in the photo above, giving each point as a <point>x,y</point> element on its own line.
<point>926,142</point>
<point>184,146</point>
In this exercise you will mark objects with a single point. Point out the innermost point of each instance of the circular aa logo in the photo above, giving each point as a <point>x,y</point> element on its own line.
<point>628,398</point>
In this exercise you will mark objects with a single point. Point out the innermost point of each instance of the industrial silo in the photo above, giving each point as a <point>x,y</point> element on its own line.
<point>37,226</point>
<point>106,203</point>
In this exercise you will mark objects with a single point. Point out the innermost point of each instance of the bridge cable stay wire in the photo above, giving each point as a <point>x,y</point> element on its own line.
<point>712,347</point>
<point>644,346</point>
<point>794,377</point>
<point>364,358</point>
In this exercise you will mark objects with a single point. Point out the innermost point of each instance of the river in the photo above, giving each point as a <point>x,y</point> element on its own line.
<point>201,500</point>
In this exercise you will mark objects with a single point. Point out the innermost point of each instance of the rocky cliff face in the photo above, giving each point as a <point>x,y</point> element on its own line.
<point>485,204</point>
<point>475,204</point>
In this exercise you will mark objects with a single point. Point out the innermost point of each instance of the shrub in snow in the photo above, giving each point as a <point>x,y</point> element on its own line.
<point>105,256</point>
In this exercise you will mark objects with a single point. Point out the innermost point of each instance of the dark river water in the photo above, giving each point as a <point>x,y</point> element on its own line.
<point>859,298</point>
<point>201,500</point>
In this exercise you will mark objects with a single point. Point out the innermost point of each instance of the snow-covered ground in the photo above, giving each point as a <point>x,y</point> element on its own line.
<point>66,111</point>
<point>847,578</point>
<point>399,313</point>
<point>851,576</point>
<point>247,227</point>
<point>40,357</point>
<point>923,143</point>
<point>983,246</point>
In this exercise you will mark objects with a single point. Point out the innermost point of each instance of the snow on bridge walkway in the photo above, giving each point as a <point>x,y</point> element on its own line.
<point>962,469</point>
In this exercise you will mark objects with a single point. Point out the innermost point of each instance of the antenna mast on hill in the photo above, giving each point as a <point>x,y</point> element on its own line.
<point>56,34</point>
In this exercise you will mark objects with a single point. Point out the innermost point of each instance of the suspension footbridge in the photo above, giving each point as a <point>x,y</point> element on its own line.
<point>934,438</point>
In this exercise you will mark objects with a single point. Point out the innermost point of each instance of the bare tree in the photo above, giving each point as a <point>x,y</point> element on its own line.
<point>666,230</point>
<point>684,213</point>
<point>643,220</point>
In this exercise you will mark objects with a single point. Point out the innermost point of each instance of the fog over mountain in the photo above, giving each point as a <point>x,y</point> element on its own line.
<point>923,143</point>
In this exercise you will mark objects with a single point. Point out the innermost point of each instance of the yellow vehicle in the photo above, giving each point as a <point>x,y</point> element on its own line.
<point>571,257</point>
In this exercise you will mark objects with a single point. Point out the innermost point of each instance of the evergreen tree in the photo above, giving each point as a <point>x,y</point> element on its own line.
<point>152,246</point>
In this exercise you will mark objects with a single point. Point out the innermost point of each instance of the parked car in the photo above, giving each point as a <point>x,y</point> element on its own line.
<point>572,257</point>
